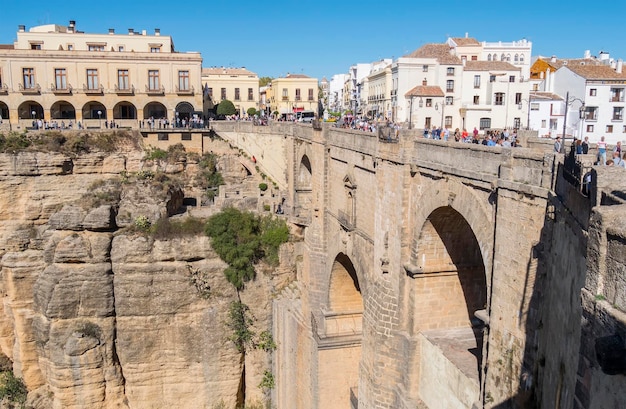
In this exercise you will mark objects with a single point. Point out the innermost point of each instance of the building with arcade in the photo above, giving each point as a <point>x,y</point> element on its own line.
<point>58,74</point>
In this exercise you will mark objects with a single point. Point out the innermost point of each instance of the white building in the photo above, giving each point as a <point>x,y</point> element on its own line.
<point>335,92</point>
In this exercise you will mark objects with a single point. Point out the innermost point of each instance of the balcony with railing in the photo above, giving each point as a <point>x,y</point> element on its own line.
<point>93,90</point>
<point>346,220</point>
<point>617,98</point>
<point>129,90</point>
<point>155,90</point>
<point>31,89</point>
<point>185,91</point>
<point>4,90</point>
<point>67,90</point>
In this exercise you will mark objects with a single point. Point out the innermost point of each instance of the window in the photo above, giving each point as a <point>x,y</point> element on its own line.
<point>450,86</point>
<point>427,122</point>
<point>250,94</point>
<point>492,78</point>
<point>429,102</point>
<point>511,78</point>
<point>223,94</point>
<point>123,82</point>
<point>624,129</point>
<point>237,95</point>
<point>518,98</point>
<point>35,46</point>
<point>92,78</point>
<point>593,92</point>
<point>210,92</point>
<point>183,80</point>
<point>589,128</point>
<point>617,95</point>
<point>311,94</point>
<point>186,136</point>
<point>449,100</point>
<point>70,47</point>
<point>476,81</point>
<point>517,123</point>
<point>60,78</point>
<point>488,57</point>
<point>153,80</point>
<point>450,70</point>
<point>298,96</point>
<point>448,122</point>
<point>285,94</point>
<point>474,58</point>
<point>543,123</point>
<point>120,48</point>
<point>29,78</point>
<point>553,123</point>
<point>618,113</point>
<point>485,123</point>
<point>95,47</point>
<point>163,137</point>
<point>499,98</point>
<point>591,113</point>
<point>155,49</point>
<point>476,100</point>
<point>516,59</point>
<point>609,129</point>
<point>424,68</point>
<point>534,106</point>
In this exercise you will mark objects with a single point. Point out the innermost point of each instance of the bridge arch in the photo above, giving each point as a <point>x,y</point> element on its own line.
<point>451,254</point>
<point>303,188</point>
<point>340,344</point>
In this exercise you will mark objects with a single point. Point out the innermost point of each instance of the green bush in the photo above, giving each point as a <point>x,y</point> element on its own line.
<point>12,388</point>
<point>155,154</point>
<point>241,239</point>
<point>266,207</point>
<point>263,186</point>
<point>165,228</point>
<point>240,321</point>
<point>142,223</point>
<point>267,382</point>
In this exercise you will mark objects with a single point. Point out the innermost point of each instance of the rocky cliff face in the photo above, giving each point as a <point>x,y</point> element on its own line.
<point>96,316</point>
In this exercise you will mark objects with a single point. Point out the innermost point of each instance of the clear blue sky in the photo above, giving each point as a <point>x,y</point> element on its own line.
<point>324,37</point>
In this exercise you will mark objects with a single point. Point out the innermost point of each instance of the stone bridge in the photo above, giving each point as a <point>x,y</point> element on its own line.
<point>423,271</point>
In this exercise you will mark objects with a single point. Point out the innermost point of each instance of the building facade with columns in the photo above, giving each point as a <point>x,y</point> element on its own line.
<point>59,74</point>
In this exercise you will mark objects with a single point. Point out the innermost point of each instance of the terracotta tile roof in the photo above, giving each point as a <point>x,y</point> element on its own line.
<point>558,63</point>
<point>297,76</point>
<point>490,66</point>
<point>6,47</point>
<point>439,51</point>
<point>596,72</point>
<point>425,91</point>
<point>227,71</point>
<point>463,41</point>
<point>548,96</point>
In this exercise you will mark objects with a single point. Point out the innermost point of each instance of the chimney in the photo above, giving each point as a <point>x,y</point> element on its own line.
<point>553,58</point>
<point>466,34</point>
<point>131,32</point>
<point>157,31</point>
<point>70,28</point>
<point>618,69</point>
<point>111,31</point>
<point>21,28</point>
<point>587,54</point>
<point>143,32</point>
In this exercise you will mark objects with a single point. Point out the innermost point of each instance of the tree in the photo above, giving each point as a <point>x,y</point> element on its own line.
<point>263,81</point>
<point>251,111</point>
<point>226,107</point>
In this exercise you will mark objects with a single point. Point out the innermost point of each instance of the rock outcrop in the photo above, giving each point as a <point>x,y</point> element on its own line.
<point>98,316</point>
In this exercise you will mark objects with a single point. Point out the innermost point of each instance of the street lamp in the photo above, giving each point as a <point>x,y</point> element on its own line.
<point>100,119</point>
<point>411,112</point>
<point>569,101</point>
<point>33,114</point>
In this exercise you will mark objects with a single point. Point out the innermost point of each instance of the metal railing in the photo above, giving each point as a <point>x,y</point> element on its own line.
<point>575,172</point>
<point>128,91</point>
<point>35,89</point>
<point>58,90</point>
<point>97,90</point>
<point>155,91</point>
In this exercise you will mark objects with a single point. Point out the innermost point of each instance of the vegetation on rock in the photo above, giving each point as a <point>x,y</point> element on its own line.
<point>242,239</point>
<point>208,178</point>
<point>65,142</point>
<point>12,389</point>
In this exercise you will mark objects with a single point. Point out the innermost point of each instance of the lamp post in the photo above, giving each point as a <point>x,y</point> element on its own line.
<point>411,112</point>
<point>100,119</point>
<point>569,101</point>
<point>34,123</point>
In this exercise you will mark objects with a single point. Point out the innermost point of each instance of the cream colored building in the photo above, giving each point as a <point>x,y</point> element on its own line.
<point>294,93</point>
<point>238,85</point>
<point>60,75</point>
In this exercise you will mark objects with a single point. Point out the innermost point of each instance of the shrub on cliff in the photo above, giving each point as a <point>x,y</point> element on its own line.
<point>241,239</point>
<point>12,388</point>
